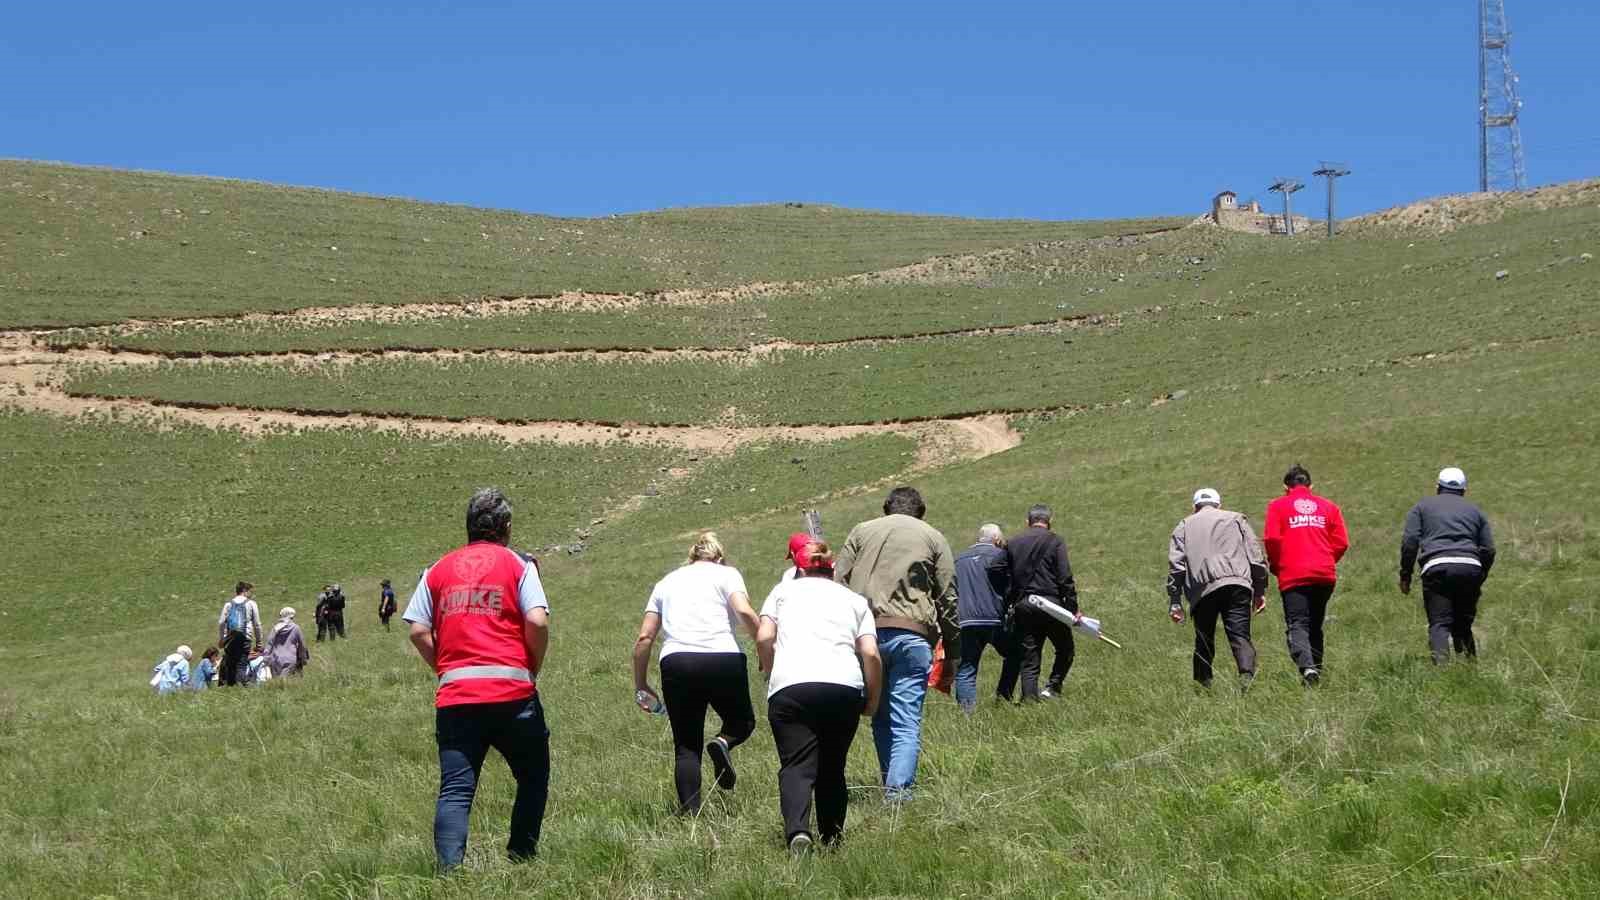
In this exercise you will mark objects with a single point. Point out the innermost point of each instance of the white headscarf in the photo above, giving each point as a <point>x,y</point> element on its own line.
<point>185,652</point>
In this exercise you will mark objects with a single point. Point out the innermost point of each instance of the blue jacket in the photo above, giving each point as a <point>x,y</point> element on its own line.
<point>977,603</point>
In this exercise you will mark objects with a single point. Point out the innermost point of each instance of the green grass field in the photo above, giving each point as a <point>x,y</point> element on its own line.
<point>1371,361</point>
<point>83,246</point>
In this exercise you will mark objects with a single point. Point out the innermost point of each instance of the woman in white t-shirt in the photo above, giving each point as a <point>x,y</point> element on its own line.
<point>819,645</point>
<point>694,609</point>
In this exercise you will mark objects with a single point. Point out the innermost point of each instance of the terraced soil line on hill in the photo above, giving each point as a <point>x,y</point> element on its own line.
<point>958,267</point>
<point>27,344</point>
<point>36,387</point>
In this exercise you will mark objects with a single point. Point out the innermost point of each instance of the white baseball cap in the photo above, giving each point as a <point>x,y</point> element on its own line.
<point>1206,496</point>
<point>1453,478</point>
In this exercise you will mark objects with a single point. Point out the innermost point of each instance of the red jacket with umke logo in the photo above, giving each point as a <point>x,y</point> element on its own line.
<point>1305,538</point>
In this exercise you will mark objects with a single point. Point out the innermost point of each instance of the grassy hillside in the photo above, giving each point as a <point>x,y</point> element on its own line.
<point>1372,361</point>
<point>1230,316</point>
<point>81,246</point>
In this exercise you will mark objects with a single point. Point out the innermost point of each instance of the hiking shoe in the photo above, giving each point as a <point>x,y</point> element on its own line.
<point>800,844</point>
<point>1246,679</point>
<point>722,764</point>
<point>1311,677</point>
<point>1049,693</point>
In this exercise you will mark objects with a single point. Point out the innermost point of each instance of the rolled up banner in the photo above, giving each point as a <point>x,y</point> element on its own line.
<point>1058,612</point>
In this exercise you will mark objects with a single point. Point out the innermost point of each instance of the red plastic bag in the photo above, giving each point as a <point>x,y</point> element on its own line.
<point>941,675</point>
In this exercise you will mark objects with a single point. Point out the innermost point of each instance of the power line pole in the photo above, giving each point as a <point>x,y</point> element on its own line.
<point>1333,172</point>
<point>1500,163</point>
<point>1286,187</point>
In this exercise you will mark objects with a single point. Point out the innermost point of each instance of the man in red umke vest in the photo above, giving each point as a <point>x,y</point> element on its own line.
<point>1305,539</point>
<point>479,617</point>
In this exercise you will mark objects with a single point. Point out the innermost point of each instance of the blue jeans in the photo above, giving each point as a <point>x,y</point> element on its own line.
<point>897,727</point>
<point>465,733</point>
<point>973,639</point>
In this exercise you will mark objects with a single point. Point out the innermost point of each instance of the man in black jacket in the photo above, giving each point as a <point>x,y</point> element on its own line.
<point>1451,537</point>
<point>1034,563</point>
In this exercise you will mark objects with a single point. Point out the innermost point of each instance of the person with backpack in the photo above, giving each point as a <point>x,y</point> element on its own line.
<point>386,607</point>
<point>287,653</point>
<point>1305,539</point>
<point>479,618</point>
<point>172,674</point>
<point>694,608</point>
<point>818,644</point>
<point>1214,562</point>
<point>238,631</point>
<point>1450,536</point>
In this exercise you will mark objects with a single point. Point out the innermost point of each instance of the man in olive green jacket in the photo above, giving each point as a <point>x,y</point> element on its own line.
<point>905,569</point>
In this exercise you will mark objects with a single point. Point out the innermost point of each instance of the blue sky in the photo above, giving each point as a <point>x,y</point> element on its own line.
<point>1055,109</point>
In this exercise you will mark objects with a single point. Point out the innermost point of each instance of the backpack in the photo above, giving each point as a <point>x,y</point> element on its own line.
<point>238,617</point>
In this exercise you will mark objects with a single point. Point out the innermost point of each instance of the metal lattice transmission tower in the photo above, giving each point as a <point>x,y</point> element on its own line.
<point>1286,187</point>
<point>1500,164</point>
<point>1333,172</point>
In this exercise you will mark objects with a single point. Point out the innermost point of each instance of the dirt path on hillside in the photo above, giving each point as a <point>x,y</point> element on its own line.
<point>35,386</point>
<point>18,346</point>
<point>938,269</point>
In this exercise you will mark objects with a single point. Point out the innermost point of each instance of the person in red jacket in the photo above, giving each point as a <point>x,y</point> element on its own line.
<point>1305,539</point>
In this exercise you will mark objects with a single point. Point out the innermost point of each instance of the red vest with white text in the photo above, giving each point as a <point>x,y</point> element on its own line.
<point>479,651</point>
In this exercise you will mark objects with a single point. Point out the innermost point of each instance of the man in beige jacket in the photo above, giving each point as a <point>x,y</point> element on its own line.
<point>1215,563</point>
<point>905,569</point>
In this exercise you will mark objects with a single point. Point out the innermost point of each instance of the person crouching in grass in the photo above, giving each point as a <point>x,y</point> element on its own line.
<point>819,645</point>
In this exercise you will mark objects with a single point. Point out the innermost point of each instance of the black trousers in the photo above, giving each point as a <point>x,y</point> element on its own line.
<point>1231,604</point>
<point>1450,595</point>
<point>235,657</point>
<point>1034,627</point>
<point>335,622</point>
<point>1304,607</point>
<point>813,725</point>
<point>689,683</point>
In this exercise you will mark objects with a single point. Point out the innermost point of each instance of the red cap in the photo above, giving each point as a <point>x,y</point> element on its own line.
<point>798,542</point>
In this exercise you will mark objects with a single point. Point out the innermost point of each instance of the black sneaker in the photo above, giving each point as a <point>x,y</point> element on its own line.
<point>1311,677</point>
<point>722,764</point>
<point>800,844</point>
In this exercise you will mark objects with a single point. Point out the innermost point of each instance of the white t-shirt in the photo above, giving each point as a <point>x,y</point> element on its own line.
<point>692,602</point>
<point>818,623</point>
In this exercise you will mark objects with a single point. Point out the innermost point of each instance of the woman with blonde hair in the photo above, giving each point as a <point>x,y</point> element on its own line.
<point>287,653</point>
<point>694,609</point>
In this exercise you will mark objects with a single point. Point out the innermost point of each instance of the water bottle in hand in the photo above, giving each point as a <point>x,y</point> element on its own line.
<point>649,702</point>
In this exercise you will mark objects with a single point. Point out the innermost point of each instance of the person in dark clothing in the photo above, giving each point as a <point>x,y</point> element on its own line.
<point>1451,539</point>
<point>320,613</point>
<point>334,612</point>
<point>1034,564</point>
<point>386,605</point>
<point>982,615</point>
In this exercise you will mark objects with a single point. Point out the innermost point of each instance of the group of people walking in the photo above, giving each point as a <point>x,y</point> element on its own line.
<point>851,633</point>
<point>1215,564</point>
<point>247,654</point>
